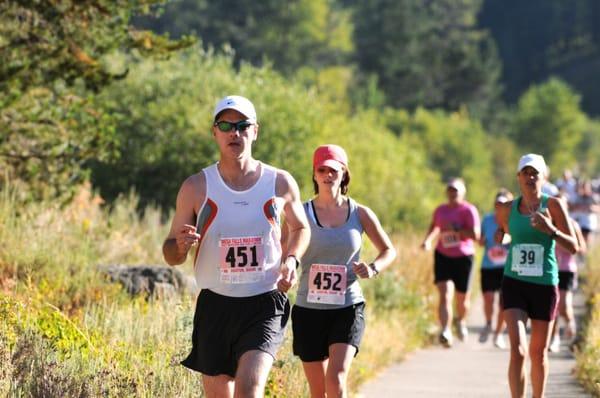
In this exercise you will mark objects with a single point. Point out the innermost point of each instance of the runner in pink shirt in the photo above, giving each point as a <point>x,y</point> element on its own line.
<point>457,225</point>
<point>567,283</point>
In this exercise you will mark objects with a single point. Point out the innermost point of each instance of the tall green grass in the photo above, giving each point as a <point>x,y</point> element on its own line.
<point>588,354</point>
<point>66,331</point>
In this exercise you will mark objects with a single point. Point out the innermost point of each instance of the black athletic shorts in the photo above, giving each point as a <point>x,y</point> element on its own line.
<point>227,327</point>
<point>491,279</point>
<point>567,280</point>
<point>540,302</point>
<point>455,269</point>
<point>315,330</point>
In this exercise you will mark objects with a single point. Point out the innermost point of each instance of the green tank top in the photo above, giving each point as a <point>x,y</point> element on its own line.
<point>531,257</point>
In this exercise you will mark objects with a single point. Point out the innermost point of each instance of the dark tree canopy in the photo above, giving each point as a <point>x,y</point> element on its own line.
<point>291,34</point>
<point>427,53</point>
<point>541,38</point>
<point>55,55</point>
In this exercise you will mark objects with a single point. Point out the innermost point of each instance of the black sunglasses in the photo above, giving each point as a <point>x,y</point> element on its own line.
<point>226,127</point>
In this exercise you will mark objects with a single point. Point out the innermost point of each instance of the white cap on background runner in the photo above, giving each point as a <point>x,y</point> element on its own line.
<point>458,184</point>
<point>502,199</point>
<point>535,161</point>
<point>238,103</point>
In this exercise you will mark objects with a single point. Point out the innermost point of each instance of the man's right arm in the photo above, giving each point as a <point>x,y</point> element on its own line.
<point>182,235</point>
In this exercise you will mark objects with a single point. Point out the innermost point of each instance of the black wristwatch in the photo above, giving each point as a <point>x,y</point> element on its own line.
<point>374,268</point>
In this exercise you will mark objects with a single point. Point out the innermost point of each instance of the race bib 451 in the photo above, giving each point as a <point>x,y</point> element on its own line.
<point>241,260</point>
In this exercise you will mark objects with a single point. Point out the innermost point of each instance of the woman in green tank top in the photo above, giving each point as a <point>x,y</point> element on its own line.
<point>536,223</point>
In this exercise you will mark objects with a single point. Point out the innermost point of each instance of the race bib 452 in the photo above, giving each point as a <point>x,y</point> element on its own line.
<point>327,284</point>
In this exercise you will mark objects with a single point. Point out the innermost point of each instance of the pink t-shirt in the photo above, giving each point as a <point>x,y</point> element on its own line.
<point>449,219</point>
<point>566,261</point>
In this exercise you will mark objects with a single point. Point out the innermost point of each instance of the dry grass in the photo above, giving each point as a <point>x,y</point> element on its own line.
<point>66,331</point>
<point>588,355</point>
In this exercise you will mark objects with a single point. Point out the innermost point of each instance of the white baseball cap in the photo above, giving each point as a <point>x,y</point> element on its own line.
<point>457,184</point>
<point>535,161</point>
<point>238,103</point>
<point>502,198</point>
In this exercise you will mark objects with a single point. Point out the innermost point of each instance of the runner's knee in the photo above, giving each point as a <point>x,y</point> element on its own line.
<point>518,351</point>
<point>246,388</point>
<point>252,373</point>
<point>217,386</point>
<point>336,383</point>
<point>564,311</point>
<point>538,354</point>
<point>249,385</point>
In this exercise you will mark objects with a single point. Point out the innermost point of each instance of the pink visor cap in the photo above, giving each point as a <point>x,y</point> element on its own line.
<point>331,156</point>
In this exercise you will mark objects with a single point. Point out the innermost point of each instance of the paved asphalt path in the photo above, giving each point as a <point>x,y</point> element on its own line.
<point>469,369</point>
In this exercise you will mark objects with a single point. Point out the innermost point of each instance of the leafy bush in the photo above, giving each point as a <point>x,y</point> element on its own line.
<point>163,111</point>
<point>549,121</point>
<point>452,145</point>
<point>54,60</point>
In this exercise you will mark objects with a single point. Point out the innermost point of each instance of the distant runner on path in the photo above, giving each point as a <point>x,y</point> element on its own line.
<point>535,222</point>
<point>492,269</point>
<point>585,208</point>
<point>328,318</point>
<point>567,283</point>
<point>456,223</point>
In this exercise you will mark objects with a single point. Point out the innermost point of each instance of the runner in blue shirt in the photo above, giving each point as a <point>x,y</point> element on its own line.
<point>492,269</point>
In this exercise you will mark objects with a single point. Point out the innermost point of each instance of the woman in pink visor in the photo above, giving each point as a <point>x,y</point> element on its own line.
<point>328,318</point>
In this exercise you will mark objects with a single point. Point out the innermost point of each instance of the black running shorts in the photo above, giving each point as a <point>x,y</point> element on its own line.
<point>567,280</point>
<point>455,269</point>
<point>315,330</point>
<point>491,279</point>
<point>540,302</point>
<point>227,327</point>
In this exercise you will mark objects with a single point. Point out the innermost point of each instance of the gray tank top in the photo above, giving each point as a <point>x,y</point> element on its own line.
<point>330,246</point>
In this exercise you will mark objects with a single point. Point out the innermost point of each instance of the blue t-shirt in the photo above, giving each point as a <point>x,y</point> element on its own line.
<point>495,254</point>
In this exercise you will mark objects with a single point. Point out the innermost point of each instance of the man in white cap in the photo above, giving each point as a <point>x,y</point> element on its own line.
<point>230,211</point>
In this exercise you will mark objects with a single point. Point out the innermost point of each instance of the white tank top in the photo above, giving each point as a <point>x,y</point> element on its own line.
<point>239,253</point>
